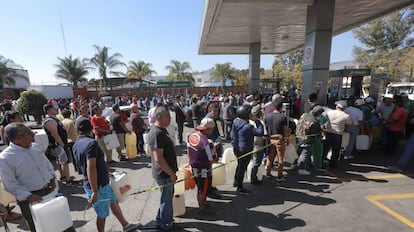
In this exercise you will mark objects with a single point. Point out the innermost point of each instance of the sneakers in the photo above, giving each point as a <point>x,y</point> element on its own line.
<point>304,172</point>
<point>214,195</point>
<point>130,227</point>
<point>269,176</point>
<point>243,191</point>
<point>348,157</point>
<point>123,158</point>
<point>281,178</point>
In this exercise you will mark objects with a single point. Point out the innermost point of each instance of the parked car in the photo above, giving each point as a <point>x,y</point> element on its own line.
<point>127,110</point>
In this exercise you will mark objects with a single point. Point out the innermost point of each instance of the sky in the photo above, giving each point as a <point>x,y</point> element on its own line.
<point>155,31</point>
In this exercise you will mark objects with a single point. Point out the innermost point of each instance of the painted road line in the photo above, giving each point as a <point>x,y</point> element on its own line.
<point>374,199</point>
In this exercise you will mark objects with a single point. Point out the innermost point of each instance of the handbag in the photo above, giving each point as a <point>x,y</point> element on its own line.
<point>111,141</point>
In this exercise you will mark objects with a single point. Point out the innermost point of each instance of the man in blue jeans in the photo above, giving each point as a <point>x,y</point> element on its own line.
<point>164,167</point>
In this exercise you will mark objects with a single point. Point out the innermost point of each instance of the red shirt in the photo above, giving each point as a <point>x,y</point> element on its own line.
<point>123,116</point>
<point>99,122</point>
<point>400,116</point>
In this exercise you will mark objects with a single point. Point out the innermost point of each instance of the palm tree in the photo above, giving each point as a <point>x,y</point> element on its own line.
<point>72,69</point>
<point>8,73</point>
<point>224,72</point>
<point>104,63</point>
<point>138,70</point>
<point>180,71</point>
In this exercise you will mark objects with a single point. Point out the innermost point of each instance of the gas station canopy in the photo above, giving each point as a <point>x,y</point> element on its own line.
<point>231,26</point>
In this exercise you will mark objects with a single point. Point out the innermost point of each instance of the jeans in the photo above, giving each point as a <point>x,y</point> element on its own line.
<point>353,132</point>
<point>305,151</point>
<point>407,154</point>
<point>227,128</point>
<point>393,140</point>
<point>140,143</point>
<point>257,161</point>
<point>241,168</point>
<point>333,141</point>
<point>165,212</point>
<point>180,128</point>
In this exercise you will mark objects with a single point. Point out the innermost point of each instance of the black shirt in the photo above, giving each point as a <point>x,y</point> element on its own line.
<point>158,139</point>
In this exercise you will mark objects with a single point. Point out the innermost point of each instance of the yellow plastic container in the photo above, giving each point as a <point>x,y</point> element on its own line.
<point>131,152</point>
<point>131,139</point>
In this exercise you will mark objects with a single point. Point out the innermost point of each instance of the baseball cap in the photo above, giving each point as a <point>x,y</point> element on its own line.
<point>205,124</point>
<point>256,109</point>
<point>369,100</point>
<point>317,109</point>
<point>359,102</point>
<point>341,103</point>
<point>276,97</point>
<point>83,125</point>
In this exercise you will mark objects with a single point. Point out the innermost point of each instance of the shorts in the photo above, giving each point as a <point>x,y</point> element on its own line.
<point>106,197</point>
<point>203,180</point>
<point>61,156</point>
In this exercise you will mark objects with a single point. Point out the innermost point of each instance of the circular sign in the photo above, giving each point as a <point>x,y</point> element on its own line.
<point>384,76</point>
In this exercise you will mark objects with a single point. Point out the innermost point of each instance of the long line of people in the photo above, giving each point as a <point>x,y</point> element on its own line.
<point>249,122</point>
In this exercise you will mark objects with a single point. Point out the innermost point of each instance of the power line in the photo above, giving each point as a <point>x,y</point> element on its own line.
<point>63,31</point>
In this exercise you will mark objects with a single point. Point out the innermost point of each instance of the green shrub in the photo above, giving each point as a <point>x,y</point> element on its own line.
<point>31,103</point>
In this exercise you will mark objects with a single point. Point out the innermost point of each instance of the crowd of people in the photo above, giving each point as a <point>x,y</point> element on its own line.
<point>249,122</point>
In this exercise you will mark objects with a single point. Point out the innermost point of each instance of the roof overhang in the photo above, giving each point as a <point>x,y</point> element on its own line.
<point>230,26</point>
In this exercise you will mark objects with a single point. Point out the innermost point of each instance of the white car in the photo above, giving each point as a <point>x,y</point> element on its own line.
<point>127,110</point>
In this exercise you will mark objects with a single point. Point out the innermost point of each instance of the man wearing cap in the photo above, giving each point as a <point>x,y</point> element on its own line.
<point>356,127</point>
<point>25,171</point>
<point>258,142</point>
<point>201,156</point>
<point>164,167</point>
<point>385,110</point>
<point>58,140</point>
<point>277,128</point>
<point>336,122</point>
<point>96,177</point>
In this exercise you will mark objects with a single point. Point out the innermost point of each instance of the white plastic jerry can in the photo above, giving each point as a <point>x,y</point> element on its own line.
<point>229,159</point>
<point>178,205</point>
<point>363,142</point>
<point>52,214</point>
<point>259,174</point>
<point>120,185</point>
<point>218,174</point>
<point>179,187</point>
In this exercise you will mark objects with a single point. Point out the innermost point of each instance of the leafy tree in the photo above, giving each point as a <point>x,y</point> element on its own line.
<point>224,72</point>
<point>138,70</point>
<point>385,41</point>
<point>105,62</point>
<point>8,73</point>
<point>180,71</point>
<point>31,103</point>
<point>72,69</point>
<point>288,67</point>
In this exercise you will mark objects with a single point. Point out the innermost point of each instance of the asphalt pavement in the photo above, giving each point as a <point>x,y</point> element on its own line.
<point>361,195</point>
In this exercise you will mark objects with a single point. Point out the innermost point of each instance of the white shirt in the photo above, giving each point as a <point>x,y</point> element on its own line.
<point>24,170</point>
<point>355,114</point>
<point>337,121</point>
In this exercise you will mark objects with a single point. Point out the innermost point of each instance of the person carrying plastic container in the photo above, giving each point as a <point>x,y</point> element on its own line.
<point>25,171</point>
<point>91,161</point>
<point>308,129</point>
<point>201,156</point>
